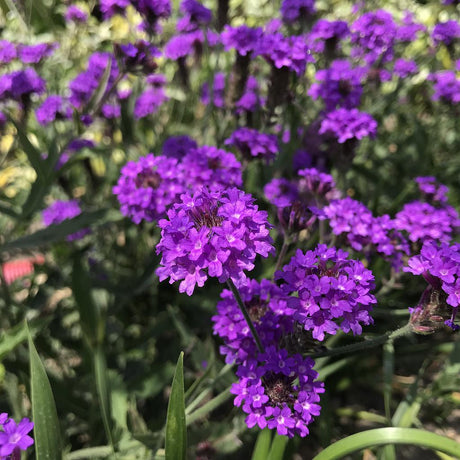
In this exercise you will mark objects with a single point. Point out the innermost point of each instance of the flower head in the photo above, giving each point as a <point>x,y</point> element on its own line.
<point>14,436</point>
<point>212,233</point>
<point>254,144</point>
<point>148,187</point>
<point>332,292</point>
<point>63,210</point>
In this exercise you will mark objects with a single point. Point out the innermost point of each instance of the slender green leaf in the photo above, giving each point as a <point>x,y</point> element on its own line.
<point>262,447</point>
<point>98,95</point>
<point>176,432</point>
<point>90,317</point>
<point>10,339</point>
<point>58,232</point>
<point>278,447</point>
<point>89,453</point>
<point>33,154</point>
<point>46,424</point>
<point>209,406</point>
<point>9,210</point>
<point>383,436</point>
<point>103,391</point>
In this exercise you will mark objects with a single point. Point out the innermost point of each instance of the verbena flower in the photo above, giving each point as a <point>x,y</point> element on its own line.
<point>251,99</point>
<point>243,39</point>
<point>153,10</point>
<point>150,100</point>
<point>446,32</point>
<point>446,86</point>
<point>293,10</point>
<point>138,57</point>
<point>340,85</point>
<point>84,84</point>
<point>53,107</point>
<point>211,167</point>
<point>8,51</point>
<point>216,94</point>
<point>267,307</point>
<point>373,35</point>
<point>178,146</point>
<point>14,436</point>
<point>404,68</point>
<point>254,144</point>
<point>75,14</point>
<point>408,30</point>
<point>148,187</point>
<point>279,391</point>
<point>195,15</point>
<point>212,234</point>
<point>33,54</point>
<point>63,210</point>
<point>290,52</point>
<point>348,124</point>
<point>363,231</point>
<point>325,35</point>
<point>327,291</point>
<point>432,190</point>
<point>440,266</point>
<point>111,7</point>
<point>423,221</point>
<point>21,84</point>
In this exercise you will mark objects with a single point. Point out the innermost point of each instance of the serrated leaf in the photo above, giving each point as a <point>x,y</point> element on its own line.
<point>383,436</point>
<point>176,432</point>
<point>46,425</point>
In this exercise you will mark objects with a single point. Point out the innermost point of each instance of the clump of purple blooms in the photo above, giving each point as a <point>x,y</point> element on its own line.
<point>446,87</point>
<point>446,32</point>
<point>325,35</point>
<point>295,10</point>
<point>278,391</point>
<point>339,85</point>
<point>148,187</point>
<point>254,144</point>
<point>440,266</point>
<point>212,234</point>
<point>63,210</point>
<point>348,125</point>
<point>13,436</point>
<point>328,291</point>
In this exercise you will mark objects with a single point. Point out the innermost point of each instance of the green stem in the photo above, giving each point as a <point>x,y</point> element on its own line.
<point>240,303</point>
<point>406,330</point>
<point>282,254</point>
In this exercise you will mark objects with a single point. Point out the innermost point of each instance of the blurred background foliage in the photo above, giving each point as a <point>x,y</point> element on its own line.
<point>97,302</point>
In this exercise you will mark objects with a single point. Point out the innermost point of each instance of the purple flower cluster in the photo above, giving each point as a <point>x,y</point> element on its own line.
<point>295,10</point>
<point>110,8</point>
<point>84,84</point>
<point>432,190</point>
<point>138,57</point>
<point>254,144</point>
<point>267,307</point>
<point>373,35</point>
<point>148,187</point>
<point>348,125</point>
<point>26,54</point>
<point>325,35</point>
<point>408,30</point>
<point>404,68</point>
<point>423,221</point>
<point>289,52</point>
<point>298,201</point>
<point>52,108</point>
<point>212,233</point>
<point>21,84</point>
<point>75,14</point>
<point>340,85</point>
<point>14,437</point>
<point>363,231</point>
<point>63,210</point>
<point>446,32</point>
<point>243,39</point>
<point>440,266</point>
<point>278,391</point>
<point>195,15</point>
<point>328,291</point>
<point>178,146</point>
<point>150,100</point>
<point>446,87</point>
<point>211,167</point>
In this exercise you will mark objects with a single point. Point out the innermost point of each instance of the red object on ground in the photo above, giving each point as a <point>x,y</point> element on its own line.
<point>18,268</point>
